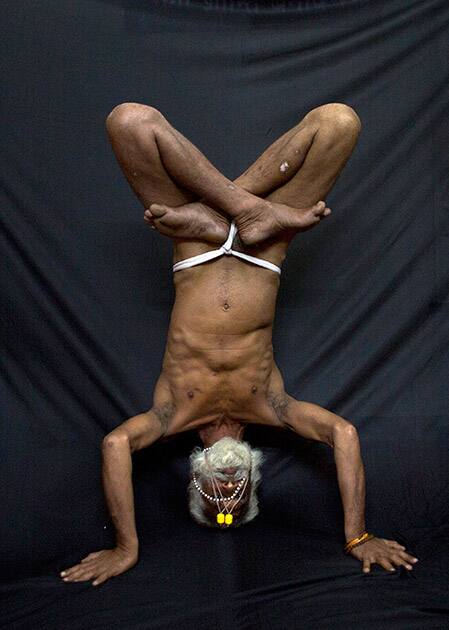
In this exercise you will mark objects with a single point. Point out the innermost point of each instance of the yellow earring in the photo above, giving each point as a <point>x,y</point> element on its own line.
<point>228,519</point>
<point>220,518</point>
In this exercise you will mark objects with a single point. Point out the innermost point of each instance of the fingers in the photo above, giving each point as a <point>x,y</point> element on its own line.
<point>399,559</point>
<point>80,576</point>
<point>69,572</point>
<point>94,554</point>
<point>400,551</point>
<point>86,569</point>
<point>100,579</point>
<point>88,573</point>
<point>386,564</point>
<point>75,567</point>
<point>392,543</point>
<point>405,559</point>
<point>366,565</point>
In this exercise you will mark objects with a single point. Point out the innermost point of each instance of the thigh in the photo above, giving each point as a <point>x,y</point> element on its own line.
<point>334,129</point>
<point>263,177</point>
<point>130,128</point>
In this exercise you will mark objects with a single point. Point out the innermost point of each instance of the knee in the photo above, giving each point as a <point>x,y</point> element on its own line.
<point>339,117</point>
<point>128,116</point>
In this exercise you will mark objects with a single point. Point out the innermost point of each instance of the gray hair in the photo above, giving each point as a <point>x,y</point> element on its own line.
<point>225,453</point>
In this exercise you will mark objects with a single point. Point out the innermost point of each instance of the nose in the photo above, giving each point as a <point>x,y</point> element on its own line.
<point>229,484</point>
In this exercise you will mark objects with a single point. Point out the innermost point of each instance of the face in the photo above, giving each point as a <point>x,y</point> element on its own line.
<point>227,483</point>
<point>228,461</point>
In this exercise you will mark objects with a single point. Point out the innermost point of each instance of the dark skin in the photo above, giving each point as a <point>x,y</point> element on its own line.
<point>218,373</point>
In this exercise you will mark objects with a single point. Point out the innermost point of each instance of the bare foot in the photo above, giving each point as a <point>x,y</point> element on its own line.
<point>267,219</point>
<point>191,220</point>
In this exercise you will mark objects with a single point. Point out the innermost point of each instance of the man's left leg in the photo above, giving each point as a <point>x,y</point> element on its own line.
<point>321,143</point>
<point>301,166</point>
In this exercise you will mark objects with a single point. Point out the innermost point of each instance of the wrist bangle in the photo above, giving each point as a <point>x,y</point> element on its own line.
<point>358,540</point>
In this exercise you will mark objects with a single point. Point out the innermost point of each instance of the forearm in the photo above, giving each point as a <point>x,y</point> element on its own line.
<point>118,489</point>
<point>351,481</point>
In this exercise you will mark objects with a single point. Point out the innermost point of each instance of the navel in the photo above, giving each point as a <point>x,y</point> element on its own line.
<point>190,393</point>
<point>226,306</point>
<point>254,389</point>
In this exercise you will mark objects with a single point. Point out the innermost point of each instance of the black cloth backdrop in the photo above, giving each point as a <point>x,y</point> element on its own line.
<point>362,322</point>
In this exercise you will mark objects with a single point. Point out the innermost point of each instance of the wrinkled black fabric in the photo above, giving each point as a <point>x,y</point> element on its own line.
<point>362,322</point>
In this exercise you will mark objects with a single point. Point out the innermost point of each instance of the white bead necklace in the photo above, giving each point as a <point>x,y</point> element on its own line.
<point>215,497</point>
<point>221,517</point>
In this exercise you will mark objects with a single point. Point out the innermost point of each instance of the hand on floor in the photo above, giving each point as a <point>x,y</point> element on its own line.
<point>384,552</point>
<point>101,565</point>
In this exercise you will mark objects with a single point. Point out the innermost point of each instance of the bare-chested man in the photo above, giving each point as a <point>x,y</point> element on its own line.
<point>218,372</point>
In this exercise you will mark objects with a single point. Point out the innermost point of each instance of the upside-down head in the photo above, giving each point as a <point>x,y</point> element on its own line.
<point>223,485</point>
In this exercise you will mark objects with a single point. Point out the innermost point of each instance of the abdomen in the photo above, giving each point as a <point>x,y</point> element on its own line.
<point>225,296</point>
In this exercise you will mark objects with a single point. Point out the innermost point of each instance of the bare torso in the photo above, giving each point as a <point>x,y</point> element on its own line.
<point>218,363</point>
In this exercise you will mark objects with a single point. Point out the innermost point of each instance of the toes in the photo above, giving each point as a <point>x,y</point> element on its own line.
<point>158,210</point>
<point>318,208</point>
<point>148,218</point>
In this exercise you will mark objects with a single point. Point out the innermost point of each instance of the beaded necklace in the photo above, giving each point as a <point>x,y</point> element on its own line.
<point>221,517</point>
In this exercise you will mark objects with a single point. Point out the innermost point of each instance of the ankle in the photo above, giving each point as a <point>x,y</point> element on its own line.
<point>247,204</point>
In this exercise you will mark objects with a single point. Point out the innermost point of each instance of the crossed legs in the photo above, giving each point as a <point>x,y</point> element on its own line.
<point>186,196</point>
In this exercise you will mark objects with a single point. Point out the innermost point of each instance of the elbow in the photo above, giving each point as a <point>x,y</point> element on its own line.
<point>344,432</point>
<point>114,440</point>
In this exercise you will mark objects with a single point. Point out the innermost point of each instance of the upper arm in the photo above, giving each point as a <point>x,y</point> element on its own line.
<point>312,421</point>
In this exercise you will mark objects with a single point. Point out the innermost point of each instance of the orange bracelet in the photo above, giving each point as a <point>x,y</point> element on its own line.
<point>358,540</point>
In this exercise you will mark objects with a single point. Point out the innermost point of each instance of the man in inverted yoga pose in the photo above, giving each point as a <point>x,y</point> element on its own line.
<point>218,372</point>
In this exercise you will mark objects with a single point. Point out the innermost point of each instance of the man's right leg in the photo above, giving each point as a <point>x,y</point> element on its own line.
<point>130,127</point>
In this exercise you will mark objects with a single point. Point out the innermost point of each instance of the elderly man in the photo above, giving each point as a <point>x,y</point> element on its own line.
<point>218,372</point>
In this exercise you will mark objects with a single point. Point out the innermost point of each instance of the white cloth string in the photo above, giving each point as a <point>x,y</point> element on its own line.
<point>225,249</point>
